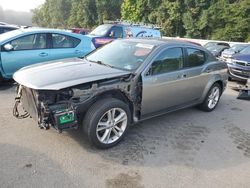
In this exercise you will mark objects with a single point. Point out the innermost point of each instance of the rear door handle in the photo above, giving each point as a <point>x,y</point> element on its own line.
<point>43,54</point>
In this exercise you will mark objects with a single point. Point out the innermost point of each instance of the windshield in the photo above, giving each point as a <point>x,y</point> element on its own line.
<point>238,47</point>
<point>101,30</point>
<point>215,48</point>
<point>209,44</point>
<point>245,50</point>
<point>125,55</point>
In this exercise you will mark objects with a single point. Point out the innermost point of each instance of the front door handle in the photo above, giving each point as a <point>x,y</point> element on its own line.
<point>43,54</point>
<point>182,76</point>
<point>208,70</point>
<point>78,51</point>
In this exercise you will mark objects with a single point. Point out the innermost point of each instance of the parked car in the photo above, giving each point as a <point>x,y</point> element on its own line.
<point>7,28</point>
<point>216,50</point>
<point>23,47</point>
<point>3,23</point>
<point>106,33</point>
<point>122,83</point>
<point>239,65</point>
<point>80,31</point>
<point>228,53</point>
<point>209,44</point>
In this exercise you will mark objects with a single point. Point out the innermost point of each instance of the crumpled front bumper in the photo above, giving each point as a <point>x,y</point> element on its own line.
<point>60,115</point>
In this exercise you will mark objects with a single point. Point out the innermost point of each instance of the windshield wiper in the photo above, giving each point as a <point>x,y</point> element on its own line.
<point>100,63</point>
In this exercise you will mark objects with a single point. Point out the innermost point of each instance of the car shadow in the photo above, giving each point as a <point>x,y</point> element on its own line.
<point>187,137</point>
<point>7,84</point>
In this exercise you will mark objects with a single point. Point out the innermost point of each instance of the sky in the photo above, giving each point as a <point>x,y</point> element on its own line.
<point>20,5</point>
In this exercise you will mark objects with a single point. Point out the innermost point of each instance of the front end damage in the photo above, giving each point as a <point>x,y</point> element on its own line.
<point>64,109</point>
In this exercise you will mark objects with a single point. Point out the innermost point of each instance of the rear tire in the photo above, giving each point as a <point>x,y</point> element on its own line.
<point>106,122</point>
<point>212,98</point>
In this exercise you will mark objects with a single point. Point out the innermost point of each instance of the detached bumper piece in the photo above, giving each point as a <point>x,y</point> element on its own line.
<point>244,92</point>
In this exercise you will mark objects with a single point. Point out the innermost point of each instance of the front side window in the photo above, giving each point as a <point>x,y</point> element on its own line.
<point>168,61</point>
<point>64,41</point>
<point>195,57</point>
<point>125,55</point>
<point>29,42</point>
<point>116,32</point>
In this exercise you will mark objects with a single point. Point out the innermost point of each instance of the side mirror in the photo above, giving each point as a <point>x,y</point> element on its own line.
<point>112,34</point>
<point>8,47</point>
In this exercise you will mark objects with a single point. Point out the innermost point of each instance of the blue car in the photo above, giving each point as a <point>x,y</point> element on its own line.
<point>23,47</point>
<point>239,65</point>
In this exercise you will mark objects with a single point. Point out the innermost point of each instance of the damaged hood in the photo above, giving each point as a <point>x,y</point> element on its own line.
<point>65,73</point>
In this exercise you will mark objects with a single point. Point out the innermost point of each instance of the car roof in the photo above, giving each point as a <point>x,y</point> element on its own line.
<point>160,41</point>
<point>9,26</point>
<point>31,30</point>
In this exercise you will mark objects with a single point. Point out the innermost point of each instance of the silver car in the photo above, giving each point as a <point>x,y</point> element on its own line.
<point>120,84</point>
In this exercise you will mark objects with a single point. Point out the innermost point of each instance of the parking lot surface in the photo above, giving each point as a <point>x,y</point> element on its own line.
<point>188,148</point>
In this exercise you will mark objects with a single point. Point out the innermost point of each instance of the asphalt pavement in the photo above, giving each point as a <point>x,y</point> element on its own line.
<point>188,148</point>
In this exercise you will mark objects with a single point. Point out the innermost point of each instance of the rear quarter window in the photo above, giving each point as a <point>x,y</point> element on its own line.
<point>195,57</point>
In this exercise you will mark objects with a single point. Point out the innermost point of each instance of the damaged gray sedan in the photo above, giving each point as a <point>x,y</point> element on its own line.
<point>122,83</point>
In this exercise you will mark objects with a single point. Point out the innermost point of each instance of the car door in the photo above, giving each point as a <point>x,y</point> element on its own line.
<point>163,85</point>
<point>65,46</point>
<point>24,51</point>
<point>196,72</point>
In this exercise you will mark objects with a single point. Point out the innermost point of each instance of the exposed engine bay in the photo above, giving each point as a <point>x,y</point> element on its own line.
<point>64,109</point>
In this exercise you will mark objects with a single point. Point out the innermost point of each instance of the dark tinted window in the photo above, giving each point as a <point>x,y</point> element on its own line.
<point>7,29</point>
<point>29,42</point>
<point>195,57</point>
<point>169,60</point>
<point>64,41</point>
<point>116,32</point>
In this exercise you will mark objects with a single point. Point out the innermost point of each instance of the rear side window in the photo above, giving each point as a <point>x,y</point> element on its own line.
<point>64,41</point>
<point>29,42</point>
<point>169,60</point>
<point>195,57</point>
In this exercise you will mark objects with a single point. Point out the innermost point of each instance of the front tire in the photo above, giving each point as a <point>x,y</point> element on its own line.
<point>1,78</point>
<point>212,98</point>
<point>106,122</point>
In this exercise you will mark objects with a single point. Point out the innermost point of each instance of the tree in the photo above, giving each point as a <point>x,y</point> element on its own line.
<point>108,10</point>
<point>214,19</point>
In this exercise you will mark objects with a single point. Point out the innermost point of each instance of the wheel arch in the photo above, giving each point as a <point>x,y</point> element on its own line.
<point>114,93</point>
<point>215,79</point>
